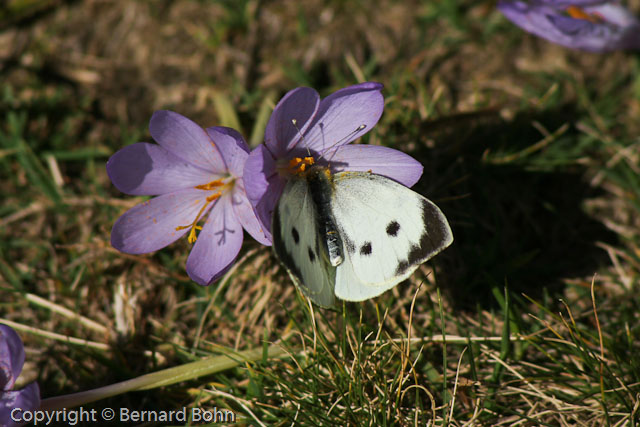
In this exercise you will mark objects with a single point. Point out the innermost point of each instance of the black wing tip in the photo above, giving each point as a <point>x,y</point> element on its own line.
<point>437,227</point>
<point>436,237</point>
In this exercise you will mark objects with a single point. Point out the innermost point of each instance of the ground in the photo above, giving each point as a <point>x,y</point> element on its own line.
<point>530,149</point>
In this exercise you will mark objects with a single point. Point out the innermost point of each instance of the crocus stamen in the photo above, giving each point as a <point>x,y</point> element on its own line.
<point>211,185</point>
<point>194,227</point>
<point>579,13</point>
<point>217,184</point>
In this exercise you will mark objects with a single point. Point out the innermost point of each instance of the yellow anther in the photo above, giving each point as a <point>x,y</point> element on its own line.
<point>579,13</point>
<point>193,226</point>
<point>192,234</point>
<point>299,164</point>
<point>211,185</point>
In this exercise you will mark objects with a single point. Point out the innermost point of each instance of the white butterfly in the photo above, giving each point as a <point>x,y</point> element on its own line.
<point>353,235</point>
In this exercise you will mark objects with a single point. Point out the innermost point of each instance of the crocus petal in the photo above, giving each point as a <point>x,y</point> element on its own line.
<point>259,168</point>
<point>27,399</point>
<point>267,204</point>
<point>246,215</point>
<point>145,169</point>
<point>218,244</point>
<point>344,116</point>
<point>185,139</point>
<point>281,133</point>
<point>11,357</point>
<point>629,24</point>
<point>566,3</point>
<point>529,18</point>
<point>152,225</point>
<point>618,29</point>
<point>235,152</point>
<point>232,147</point>
<point>262,184</point>
<point>582,34</point>
<point>613,13</point>
<point>384,161</point>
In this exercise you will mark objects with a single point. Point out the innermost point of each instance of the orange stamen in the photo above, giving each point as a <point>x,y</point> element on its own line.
<point>578,13</point>
<point>207,187</point>
<point>211,186</point>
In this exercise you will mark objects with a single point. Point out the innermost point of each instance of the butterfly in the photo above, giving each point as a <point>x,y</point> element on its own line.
<point>353,235</point>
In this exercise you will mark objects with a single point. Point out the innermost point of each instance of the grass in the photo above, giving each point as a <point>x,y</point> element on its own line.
<point>531,150</point>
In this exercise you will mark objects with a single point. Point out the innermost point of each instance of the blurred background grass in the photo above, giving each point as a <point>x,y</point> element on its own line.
<point>530,149</point>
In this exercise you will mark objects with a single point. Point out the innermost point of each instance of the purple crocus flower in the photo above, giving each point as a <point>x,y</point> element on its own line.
<point>305,130</point>
<point>591,25</point>
<point>11,362</point>
<point>192,171</point>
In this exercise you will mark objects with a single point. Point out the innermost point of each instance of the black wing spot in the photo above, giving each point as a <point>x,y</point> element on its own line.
<point>392,228</point>
<point>312,255</point>
<point>296,235</point>
<point>365,249</point>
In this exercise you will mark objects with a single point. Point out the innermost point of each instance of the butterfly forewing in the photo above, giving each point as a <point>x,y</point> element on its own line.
<point>299,246</point>
<point>387,230</point>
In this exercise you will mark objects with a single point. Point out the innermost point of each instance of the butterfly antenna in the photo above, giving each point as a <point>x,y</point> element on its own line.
<point>347,136</point>
<point>295,125</point>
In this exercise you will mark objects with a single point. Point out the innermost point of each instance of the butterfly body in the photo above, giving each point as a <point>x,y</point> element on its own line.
<point>353,235</point>
<point>320,188</point>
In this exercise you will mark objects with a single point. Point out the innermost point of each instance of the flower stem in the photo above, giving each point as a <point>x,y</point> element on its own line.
<point>162,378</point>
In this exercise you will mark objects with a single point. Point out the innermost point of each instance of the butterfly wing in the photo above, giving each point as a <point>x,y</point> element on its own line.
<point>298,245</point>
<point>387,230</point>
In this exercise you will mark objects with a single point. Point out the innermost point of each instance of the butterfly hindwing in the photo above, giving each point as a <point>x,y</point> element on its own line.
<point>299,246</point>
<point>387,230</point>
